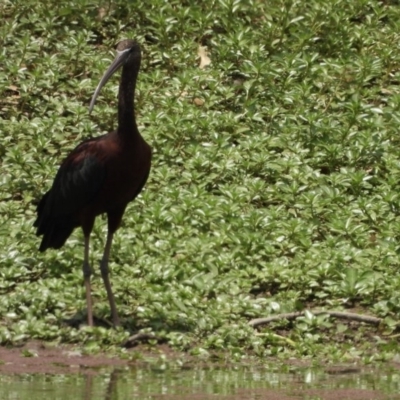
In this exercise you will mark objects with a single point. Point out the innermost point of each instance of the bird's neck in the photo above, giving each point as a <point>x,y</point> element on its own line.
<point>126,103</point>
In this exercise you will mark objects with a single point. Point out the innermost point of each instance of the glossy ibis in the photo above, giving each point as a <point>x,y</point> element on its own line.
<point>101,175</point>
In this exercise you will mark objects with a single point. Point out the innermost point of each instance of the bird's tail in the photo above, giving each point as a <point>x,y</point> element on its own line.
<point>55,235</point>
<point>55,231</point>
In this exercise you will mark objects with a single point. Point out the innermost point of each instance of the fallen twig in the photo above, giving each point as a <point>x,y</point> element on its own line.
<point>134,340</point>
<point>336,314</point>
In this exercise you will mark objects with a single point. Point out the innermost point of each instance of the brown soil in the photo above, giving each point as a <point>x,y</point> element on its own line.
<point>36,357</point>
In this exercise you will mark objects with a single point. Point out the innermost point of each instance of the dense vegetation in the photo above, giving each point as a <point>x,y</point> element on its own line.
<point>275,182</point>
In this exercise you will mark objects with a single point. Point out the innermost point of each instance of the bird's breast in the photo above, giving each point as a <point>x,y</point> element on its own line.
<point>126,174</point>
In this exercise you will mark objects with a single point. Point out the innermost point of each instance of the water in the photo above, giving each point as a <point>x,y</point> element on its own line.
<point>242,383</point>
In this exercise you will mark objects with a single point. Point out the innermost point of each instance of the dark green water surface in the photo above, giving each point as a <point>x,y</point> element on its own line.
<point>242,383</point>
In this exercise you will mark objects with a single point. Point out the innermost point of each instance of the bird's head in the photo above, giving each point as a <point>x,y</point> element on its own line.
<point>128,52</point>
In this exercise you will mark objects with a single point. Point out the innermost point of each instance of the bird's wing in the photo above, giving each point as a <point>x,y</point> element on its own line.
<point>78,180</point>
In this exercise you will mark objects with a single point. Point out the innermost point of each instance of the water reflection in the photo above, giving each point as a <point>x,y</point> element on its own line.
<point>111,392</point>
<point>93,385</point>
<point>212,383</point>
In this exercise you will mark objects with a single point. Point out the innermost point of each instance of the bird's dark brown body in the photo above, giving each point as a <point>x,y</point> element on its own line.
<point>118,172</point>
<point>101,175</point>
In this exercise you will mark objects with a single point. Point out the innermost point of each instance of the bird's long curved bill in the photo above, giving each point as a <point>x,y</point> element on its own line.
<point>118,61</point>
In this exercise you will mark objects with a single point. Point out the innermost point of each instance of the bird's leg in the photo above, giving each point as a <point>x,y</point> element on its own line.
<point>87,272</point>
<point>104,274</point>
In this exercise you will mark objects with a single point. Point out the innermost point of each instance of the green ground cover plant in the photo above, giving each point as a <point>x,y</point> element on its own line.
<point>275,178</point>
